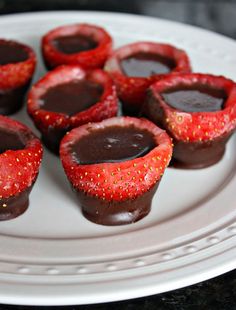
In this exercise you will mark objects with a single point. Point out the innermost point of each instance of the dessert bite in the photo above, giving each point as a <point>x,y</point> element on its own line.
<point>20,158</point>
<point>83,44</point>
<point>199,113</point>
<point>17,65</point>
<point>134,67</point>
<point>115,167</point>
<point>68,97</point>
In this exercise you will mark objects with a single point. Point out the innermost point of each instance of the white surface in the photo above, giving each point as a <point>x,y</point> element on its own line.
<point>51,255</point>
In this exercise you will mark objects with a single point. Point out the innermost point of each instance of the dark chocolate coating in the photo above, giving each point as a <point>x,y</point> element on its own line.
<point>196,155</point>
<point>198,99</point>
<point>72,97</point>
<point>12,100</point>
<point>15,205</point>
<point>116,213</point>
<point>72,44</point>
<point>113,144</point>
<point>52,139</point>
<point>146,64</point>
<point>11,53</point>
<point>10,141</point>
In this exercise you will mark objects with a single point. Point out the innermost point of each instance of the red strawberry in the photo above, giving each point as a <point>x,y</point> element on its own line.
<point>15,77</point>
<point>89,59</point>
<point>119,182</point>
<point>19,166</point>
<point>199,129</point>
<point>132,90</point>
<point>54,125</point>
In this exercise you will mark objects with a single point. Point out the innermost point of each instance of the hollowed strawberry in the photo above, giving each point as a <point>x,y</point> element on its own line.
<point>20,158</point>
<point>83,44</point>
<point>136,66</point>
<point>17,65</point>
<point>116,175</point>
<point>61,101</point>
<point>198,111</point>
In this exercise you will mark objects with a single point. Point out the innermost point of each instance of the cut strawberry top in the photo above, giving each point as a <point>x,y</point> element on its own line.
<point>117,181</point>
<point>83,44</point>
<point>132,89</point>
<point>107,106</point>
<point>17,66</point>
<point>196,126</point>
<point>19,166</point>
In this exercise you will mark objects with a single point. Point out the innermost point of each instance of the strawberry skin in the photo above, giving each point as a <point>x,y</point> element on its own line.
<point>193,126</point>
<point>121,181</point>
<point>19,168</point>
<point>18,74</point>
<point>91,59</point>
<point>48,121</point>
<point>132,90</point>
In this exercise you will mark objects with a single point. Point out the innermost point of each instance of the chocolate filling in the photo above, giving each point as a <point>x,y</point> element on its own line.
<point>72,44</point>
<point>71,97</point>
<point>195,99</point>
<point>12,53</point>
<point>146,64</point>
<point>113,144</point>
<point>10,141</point>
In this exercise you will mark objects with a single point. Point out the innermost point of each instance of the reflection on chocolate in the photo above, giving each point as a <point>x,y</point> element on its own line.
<point>15,205</point>
<point>11,53</point>
<point>113,144</point>
<point>71,97</point>
<point>197,99</point>
<point>10,141</point>
<point>116,212</point>
<point>72,44</point>
<point>146,64</point>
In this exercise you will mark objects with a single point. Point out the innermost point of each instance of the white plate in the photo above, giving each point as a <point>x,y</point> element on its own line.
<point>51,255</point>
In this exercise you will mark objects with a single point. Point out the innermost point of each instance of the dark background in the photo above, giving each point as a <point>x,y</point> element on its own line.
<point>220,16</point>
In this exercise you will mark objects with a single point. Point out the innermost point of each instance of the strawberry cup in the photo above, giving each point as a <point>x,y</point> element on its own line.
<point>68,97</point>
<point>20,158</point>
<point>83,44</point>
<point>17,65</point>
<point>134,67</point>
<point>199,113</point>
<point>115,167</point>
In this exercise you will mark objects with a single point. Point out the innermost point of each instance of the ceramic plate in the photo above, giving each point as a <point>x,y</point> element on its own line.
<point>51,255</point>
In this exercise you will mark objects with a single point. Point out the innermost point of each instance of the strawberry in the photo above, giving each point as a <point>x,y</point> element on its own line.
<point>15,78</point>
<point>132,90</point>
<point>19,167</point>
<point>119,182</point>
<point>54,125</point>
<point>201,130</point>
<point>89,59</point>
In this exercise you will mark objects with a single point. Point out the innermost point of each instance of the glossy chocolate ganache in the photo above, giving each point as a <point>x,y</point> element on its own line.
<point>75,43</point>
<point>71,97</point>
<point>11,53</point>
<point>146,64</point>
<point>199,99</point>
<point>113,144</point>
<point>110,145</point>
<point>12,206</point>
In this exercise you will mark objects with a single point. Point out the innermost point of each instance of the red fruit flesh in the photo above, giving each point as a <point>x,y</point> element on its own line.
<point>90,59</point>
<point>121,180</point>
<point>132,90</point>
<point>19,168</point>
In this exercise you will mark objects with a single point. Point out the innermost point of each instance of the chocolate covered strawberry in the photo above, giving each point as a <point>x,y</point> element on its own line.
<point>115,167</point>
<point>134,67</point>
<point>17,65</point>
<point>198,111</point>
<point>68,97</point>
<point>20,158</point>
<point>82,44</point>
